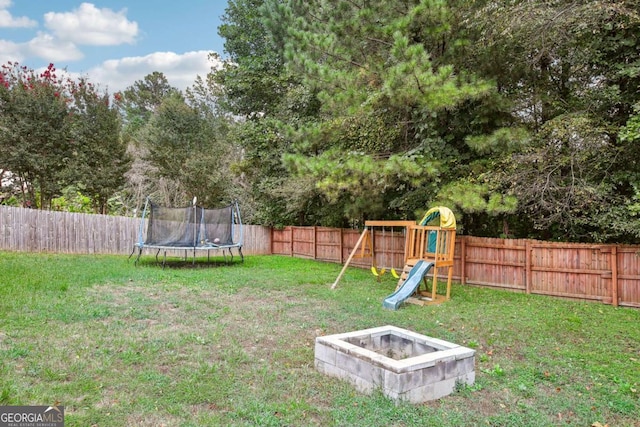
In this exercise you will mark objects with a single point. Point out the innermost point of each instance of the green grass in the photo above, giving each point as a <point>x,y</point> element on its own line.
<point>120,345</point>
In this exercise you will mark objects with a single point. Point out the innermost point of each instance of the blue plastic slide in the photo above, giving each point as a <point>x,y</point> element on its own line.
<point>409,286</point>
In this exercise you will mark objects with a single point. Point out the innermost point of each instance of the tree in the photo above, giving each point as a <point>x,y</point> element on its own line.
<point>184,146</point>
<point>139,101</point>
<point>137,104</point>
<point>519,115</point>
<point>262,95</point>
<point>380,135</point>
<point>100,157</point>
<point>570,75</point>
<point>35,130</point>
<point>57,134</point>
<point>252,80</point>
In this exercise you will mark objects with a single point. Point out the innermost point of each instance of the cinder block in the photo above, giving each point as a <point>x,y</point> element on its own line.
<point>444,387</point>
<point>325,353</point>
<point>347,362</point>
<point>433,374</point>
<point>419,395</point>
<point>362,385</point>
<point>468,378</point>
<point>423,368</point>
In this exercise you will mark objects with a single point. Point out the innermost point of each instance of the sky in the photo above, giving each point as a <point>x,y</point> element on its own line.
<point>114,42</point>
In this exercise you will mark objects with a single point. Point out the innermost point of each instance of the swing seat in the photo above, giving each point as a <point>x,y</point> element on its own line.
<point>377,273</point>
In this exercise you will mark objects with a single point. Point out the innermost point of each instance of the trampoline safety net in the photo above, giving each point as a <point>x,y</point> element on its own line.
<point>190,228</point>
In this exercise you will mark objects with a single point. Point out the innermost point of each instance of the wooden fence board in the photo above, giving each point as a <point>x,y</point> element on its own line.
<point>498,262</point>
<point>628,266</point>
<point>328,244</point>
<point>281,241</point>
<point>303,242</point>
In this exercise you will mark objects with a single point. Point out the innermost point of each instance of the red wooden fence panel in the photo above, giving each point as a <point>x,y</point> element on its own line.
<point>628,276</point>
<point>329,244</point>
<point>571,270</point>
<point>304,244</point>
<point>606,273</point>
<point>282,241</point>
<point>494,262</point>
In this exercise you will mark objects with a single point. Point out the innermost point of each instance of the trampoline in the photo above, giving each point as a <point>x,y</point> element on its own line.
<point>192,229</point>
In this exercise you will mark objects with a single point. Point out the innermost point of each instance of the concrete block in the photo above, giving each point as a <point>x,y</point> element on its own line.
<point>325,353</point>
<point>421,369</point>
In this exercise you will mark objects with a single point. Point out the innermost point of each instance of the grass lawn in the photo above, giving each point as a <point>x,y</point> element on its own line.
<point>120,345</point>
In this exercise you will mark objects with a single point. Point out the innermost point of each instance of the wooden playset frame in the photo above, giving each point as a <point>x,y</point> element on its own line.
<point>430,243</point>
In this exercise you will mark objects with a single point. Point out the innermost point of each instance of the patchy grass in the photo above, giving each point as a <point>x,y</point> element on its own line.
<point>233,345</point>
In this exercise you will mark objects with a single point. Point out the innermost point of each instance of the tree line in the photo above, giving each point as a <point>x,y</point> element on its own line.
<point>523,117</point>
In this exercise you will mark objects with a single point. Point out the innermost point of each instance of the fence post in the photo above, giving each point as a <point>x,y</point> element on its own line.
<point>315,242</point>
<point>614,275</point>
<point>527,266</point>
<point>291,242</point>
<point>271,240</point>
<point>463,260</point>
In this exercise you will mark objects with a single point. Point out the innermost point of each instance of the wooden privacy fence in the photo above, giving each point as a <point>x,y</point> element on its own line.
<point>606,273</point>
<point>32,230</point>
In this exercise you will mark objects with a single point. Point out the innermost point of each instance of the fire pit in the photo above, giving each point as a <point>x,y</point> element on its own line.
<point>404,365</point>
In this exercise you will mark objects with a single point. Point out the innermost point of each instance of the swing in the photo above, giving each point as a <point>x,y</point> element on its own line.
<point>394,273</point>
<point>374,269</point>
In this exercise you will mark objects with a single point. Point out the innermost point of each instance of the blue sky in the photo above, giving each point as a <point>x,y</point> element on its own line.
<point>113,42</point>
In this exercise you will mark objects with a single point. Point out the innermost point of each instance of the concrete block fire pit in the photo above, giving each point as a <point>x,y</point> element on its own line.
<point>404,365</point>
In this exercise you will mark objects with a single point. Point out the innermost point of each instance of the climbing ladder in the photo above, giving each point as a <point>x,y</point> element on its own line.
<point>432,244</point>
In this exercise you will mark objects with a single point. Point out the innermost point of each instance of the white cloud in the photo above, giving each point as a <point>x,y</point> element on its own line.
<point>179,69</point>
<point>11,51</point>
<point>85,25</point>
<point>89,25</point>
<point>67,32</point>
<point>8,21</point>
<point>48,47</point>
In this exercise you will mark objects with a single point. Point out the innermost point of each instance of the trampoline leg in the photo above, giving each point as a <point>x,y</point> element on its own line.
<point>138,257</point>
<point>241,255</point>
<point>158,253</point>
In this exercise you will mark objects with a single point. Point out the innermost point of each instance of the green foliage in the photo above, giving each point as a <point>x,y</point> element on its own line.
<point>178,144</point>
<point>72,200</point>
<point>101,160</point>
<point>372,68</point>
<point>35,129</point>
<point>138,102</point>
<point>503,141</point>
<point>474,197</point>
<point>630,132</point>
<point>57,133</point>
<point>562,180</point>
<point>519,115</point>
<point>183,146</point>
